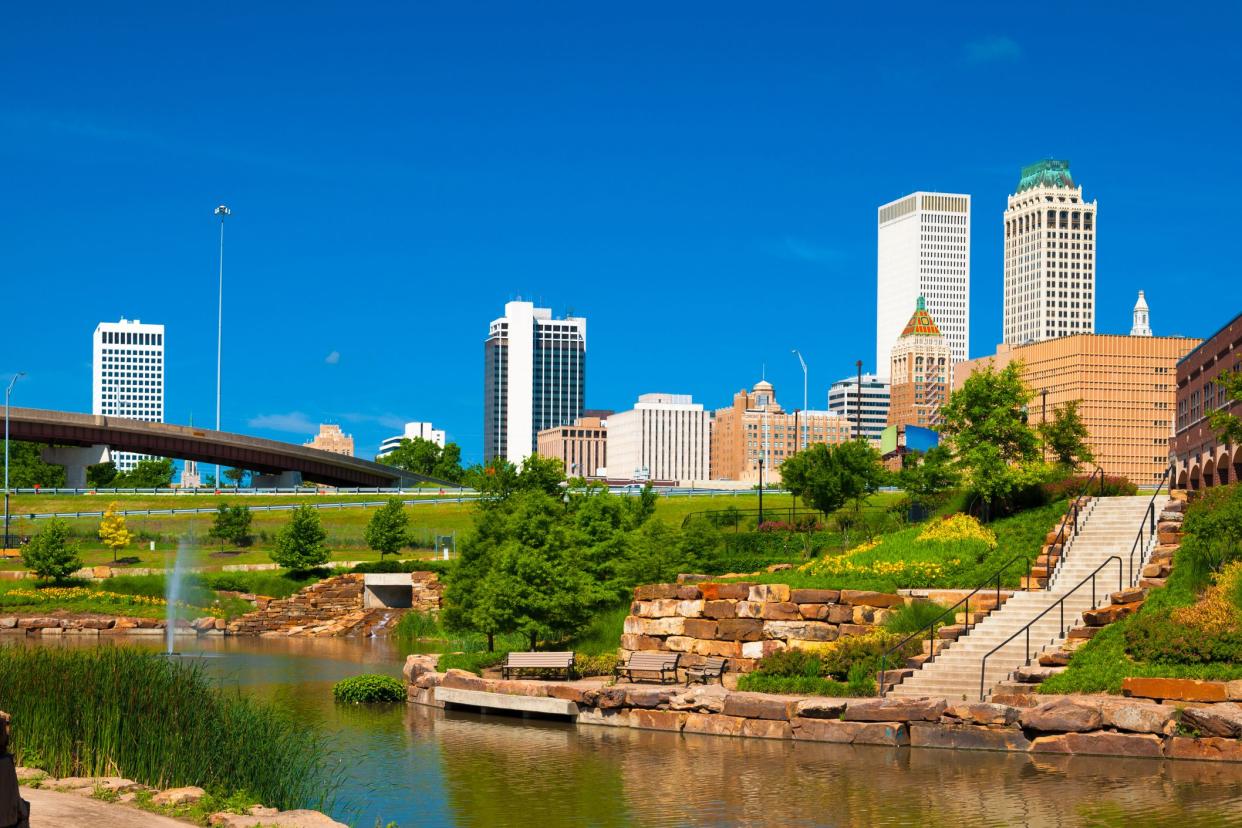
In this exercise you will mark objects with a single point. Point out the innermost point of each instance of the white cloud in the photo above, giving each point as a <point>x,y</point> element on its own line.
<point>385,420</point>
<point>333,358</point>
<point>294,422</point>
<point>993,49</point>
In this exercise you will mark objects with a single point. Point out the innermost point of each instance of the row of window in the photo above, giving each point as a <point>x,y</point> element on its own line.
<point>131,338</point>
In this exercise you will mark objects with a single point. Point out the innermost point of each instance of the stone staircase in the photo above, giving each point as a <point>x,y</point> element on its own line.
<point>1108,528</point>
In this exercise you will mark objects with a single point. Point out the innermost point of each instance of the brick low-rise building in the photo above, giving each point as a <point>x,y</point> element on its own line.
<point>1200,459</point>
<point>582,448</point>
<point>1125,385</point>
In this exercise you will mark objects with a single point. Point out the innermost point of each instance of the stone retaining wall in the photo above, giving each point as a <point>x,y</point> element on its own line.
<point>1106,726</point>
<point>332,607</point>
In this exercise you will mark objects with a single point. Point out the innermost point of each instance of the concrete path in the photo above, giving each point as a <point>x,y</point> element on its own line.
<point>50,809</point>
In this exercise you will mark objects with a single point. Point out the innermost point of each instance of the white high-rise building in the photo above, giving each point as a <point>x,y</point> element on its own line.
<point>534,377</point>
<point>1049,257</point>
<point>1142,318</point>
<point>128,376</point>
<point>663,437</point>
<point>923,250</point>
<point>843,399</point>
<point>422,431</point>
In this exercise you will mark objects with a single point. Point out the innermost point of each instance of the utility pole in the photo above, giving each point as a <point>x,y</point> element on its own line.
<point>223,212</point>
<point>858,411</point>
<point>7,393</point>
<point>1043,418</point>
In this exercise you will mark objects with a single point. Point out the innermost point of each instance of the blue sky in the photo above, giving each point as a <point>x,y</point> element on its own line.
<point>699,180</point>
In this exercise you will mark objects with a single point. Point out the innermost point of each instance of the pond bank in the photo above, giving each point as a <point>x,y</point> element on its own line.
<point>1086,725</point>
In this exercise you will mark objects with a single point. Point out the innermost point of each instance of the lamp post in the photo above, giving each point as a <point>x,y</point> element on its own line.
<point>858,411</point>
<point>804,400</point>
<point>7,393</point>
<point>1043,418</point>
<point>223,212</point>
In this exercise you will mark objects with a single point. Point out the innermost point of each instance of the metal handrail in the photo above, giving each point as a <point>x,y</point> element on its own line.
<point>931,628</point>
<point>983,665</point>
<point>1073,510</point>
<point>790,512</point>
<point>1148,517</point>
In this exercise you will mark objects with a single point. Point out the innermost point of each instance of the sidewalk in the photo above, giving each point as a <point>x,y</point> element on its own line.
<point>49,809</point>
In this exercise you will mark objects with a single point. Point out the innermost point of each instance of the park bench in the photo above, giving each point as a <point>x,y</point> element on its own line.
<point>656,666</point>
<point>711,668</point>
<point>515,663</point>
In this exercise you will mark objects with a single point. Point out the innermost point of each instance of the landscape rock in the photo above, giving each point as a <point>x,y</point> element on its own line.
<point>1137,717</point>
<point>769,593</point>
<point>824,708</point>
<point>1103,616</point>
<point>1101,743</point>
<point>739,629</point>
<point>1212,748</point>
<point>804,630</point>
<point>895,710</point>
<point>1062,715</point>
<point>282,819</point>
<point>983,713</point>
<point>657,719</point>
<point>652,592</point>
<point>893,734</point>
<point>814,596</point>
<point>647,697</point>
<point>759,706</point>
<point>1128,595</point>
<point>759,649</point>
<point>781,610</point>
<point>708,698</point>
<point>713,724</point>
<point>1222,720</point>
<point>961,736</point>
<point>418,664</point>
<point>766,729</point>
<point>179,796</point>
<point>1192,690</point>
<point>719,609</point>
<point>870,599</point>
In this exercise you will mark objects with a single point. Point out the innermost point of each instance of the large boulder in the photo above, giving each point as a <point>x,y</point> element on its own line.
<point>179,796</point>
<point>895,710</point>
<point>1220,720</point>
<point>983,713</point>
<point>1062,715</point>
<point>416,665</point>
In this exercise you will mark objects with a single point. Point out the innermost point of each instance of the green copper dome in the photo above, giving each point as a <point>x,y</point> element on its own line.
<point>1049,173</point>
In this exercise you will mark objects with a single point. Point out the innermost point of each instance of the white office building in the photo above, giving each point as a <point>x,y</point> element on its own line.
<point>422,431</point>
<point>128,376</point>
<point>663,437</point>
<point>923,249</point>
<point>534,377</point>
<point>1049,257</point>
<point>843,399</point>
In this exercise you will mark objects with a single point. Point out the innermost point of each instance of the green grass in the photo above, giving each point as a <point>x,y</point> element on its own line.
<point>603,635</point>
<point>1021,535</point>
<point>1102,663</point>
<point>122,711</point>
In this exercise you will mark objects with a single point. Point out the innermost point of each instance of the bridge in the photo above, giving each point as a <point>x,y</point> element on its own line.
<point>90,434</point>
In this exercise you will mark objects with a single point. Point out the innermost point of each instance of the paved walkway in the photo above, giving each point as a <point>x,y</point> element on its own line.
<point>50,809</point>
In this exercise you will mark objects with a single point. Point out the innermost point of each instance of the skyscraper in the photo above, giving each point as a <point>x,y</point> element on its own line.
<point>128,376</point>
<point>1049,257</point>
<point>920,373</point>
<point>923,250</point>
<point>843,399</point>
<point>534,377</point>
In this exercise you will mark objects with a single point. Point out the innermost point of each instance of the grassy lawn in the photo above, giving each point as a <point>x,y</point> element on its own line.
<point>900,560</point>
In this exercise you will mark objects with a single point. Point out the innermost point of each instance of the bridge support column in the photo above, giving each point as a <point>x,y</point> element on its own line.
<point>284,480</point>
<point>75,459</point>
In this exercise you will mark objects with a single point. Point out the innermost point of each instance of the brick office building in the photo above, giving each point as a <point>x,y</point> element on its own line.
<point>1199,459</point>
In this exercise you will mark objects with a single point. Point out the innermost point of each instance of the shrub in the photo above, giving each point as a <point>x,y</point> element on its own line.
<point>390,567</point>
<point>957,528</point>
<point>300,543</point>
<point>1068,487</point>
<point>790,663</point>
<point>862,654</point>
<point>801,685</point>
<point>595,665</point>
<point>368,689</point>
<point>50,554</point>
<point>1213,528</point>
<point>1155,637</point>
<point>415,625</point>
<point>914,616</point>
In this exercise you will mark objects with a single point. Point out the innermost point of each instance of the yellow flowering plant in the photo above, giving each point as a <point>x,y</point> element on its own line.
<point>957,528</point>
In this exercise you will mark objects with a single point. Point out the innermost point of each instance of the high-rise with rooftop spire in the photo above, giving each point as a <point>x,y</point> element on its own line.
<point>1142,318</point>
<point>921,371</point>
<point>1049,257</point>
<point>923,249</point>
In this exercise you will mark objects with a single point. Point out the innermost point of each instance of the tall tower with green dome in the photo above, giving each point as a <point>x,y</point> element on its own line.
<point>1049,256</point>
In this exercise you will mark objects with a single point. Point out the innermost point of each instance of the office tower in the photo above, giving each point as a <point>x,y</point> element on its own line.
<point>843,399</point>
<point>920,371</point>
<point>128,376</point>
<point>1142,318</point>
<point>331,438</point>
<point>423,431</point>
<point>534,377</point>
<point>923,250</point>
<point>665,437</point>
<point>756,428</point>
<point>1049,257</point>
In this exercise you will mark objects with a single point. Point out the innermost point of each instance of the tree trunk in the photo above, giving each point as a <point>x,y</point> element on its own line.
<point>532,641</point>
<point>491,642</point>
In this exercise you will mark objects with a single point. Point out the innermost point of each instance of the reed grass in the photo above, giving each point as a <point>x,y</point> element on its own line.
<point>113,710</point>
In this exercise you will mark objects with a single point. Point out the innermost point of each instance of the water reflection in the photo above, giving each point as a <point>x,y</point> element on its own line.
<point>420,766</point>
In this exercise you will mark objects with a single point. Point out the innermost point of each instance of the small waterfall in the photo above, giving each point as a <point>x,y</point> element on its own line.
<point>383,622</point>
<point>172,592</point>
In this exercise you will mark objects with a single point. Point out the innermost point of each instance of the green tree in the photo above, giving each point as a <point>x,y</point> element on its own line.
<point>427,458</point>
<point>1228,427</point>
<point>829,476</point>
<point>51,553</point>
<point>101,475</point>
<point>388,529</point>
<point>233,476</point>
<point>27,469</point>
<point>986,424</point>
<point>300,543</point>
<point>113,531</point>
<point>926,479</point>
<point>231,524</point>
<point>1065,437</point>
<point>151,473</point>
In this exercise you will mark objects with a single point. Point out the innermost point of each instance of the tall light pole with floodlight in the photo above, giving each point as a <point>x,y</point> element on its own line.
<point>805,424</point>
<point>7,393</point>
<point>223,212</point>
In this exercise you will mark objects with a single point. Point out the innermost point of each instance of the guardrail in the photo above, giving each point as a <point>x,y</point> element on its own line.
<point>1060,603</point>
<point>267,507</point>
<point>1149,518</point>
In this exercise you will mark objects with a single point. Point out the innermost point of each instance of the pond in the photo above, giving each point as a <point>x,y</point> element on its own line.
<point>418,766</point>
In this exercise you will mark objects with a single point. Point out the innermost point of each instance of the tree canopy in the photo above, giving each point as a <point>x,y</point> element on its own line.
<point>51,553</point>
<point>300,543</point>
<point>113,531</point>
<point>388,531</point>
<point>27,469</point>
<point>231,523</point>
<point>1228,427</point>
<point>829,476</point>
<point>427,458</point>
<point>1065,437</point>
<point>151,473</point>
<point>927,478</point>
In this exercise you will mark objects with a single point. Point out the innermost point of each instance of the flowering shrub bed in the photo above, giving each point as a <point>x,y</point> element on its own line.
<point>958,527</point>
<point>63,596</point>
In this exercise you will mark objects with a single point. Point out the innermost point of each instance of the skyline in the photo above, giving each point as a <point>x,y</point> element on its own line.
<point>388,204</point>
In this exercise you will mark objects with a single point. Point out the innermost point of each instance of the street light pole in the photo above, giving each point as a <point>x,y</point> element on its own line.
<point>7,393</point>
<point>858,411</point>
<point>804,398</point>
<point>222,211</point>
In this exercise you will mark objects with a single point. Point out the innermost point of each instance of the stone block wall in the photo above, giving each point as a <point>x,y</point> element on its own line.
<point>332,607</point>
<point>742,622</point>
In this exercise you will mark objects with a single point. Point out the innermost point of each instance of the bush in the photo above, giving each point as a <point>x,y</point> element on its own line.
<point>863,654</point>
<point>957,528</point>
<point>391,567</point>
<point>300,543</point>
<point>788,663</point>
<point>368,689</point>
<point>1114,486</point>
<point>801,685</point>
<point>471,662</point>
<point>595,665</point>
<point>914,616</point>
<point>1157,638</point>
<point>1213,528</point>
<point>415,625</point>
<point>50,554</point>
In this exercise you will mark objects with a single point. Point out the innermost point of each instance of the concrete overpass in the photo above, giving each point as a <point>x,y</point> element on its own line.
<point>92,433</point>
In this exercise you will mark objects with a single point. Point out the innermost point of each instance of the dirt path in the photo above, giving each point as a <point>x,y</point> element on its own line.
<point>49,809</point>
